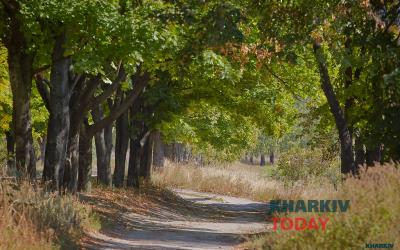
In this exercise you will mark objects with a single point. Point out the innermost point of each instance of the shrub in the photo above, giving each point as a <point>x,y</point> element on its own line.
<point>304,164</point>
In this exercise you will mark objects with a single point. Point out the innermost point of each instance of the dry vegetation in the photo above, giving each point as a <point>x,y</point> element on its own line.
<point>31,218</point>
<point>373,217</point>
<point>234,179</point>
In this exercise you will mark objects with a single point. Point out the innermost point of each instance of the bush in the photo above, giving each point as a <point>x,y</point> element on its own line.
<point>373,216</point>
<point>305,164</point>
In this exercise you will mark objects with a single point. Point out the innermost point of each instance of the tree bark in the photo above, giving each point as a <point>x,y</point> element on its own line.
<point>32,159</point>
<point>103,142</point>
<point>158,150</point>
<point>346,147</point>
<point>348,75</point>
<point>10,151</point>
<point>262,160</point>
<point>359,150</point>
<point>146,158</point>
<point>271,157</point>
<point>168,151</point>
<point>135,152</point>
<point>59,120</point>
<point>85,158</point>
<point>121,148</point>
<point>135,146</point>
<point>72,163</point>
<point>373,155</point>
<point>76,120</point>
<point>42,148</point>
<point>20,63</point>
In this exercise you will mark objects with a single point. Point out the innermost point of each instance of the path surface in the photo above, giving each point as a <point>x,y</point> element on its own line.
<point>219,225</point>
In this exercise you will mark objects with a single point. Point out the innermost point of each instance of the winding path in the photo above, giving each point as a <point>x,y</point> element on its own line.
<point>218,222</point>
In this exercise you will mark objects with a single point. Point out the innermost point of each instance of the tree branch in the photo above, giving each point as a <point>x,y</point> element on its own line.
<point>89,89</point>
<point>43,89</point>
<point>95,101</point>
<point>141,82</point>
<point>296,96</point>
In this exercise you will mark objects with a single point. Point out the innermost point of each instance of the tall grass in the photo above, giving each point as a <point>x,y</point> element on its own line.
<point>31,218</point>
<point>235,179</point>
<point>373,217</point>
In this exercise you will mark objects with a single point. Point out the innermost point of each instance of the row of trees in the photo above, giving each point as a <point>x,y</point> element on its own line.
<point>138,66</point>
<point>354,47</point>
<point>214,75</point>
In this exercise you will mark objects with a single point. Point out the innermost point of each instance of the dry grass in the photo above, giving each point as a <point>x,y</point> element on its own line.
<point>373,217</point>
<point>18,231</point>
<point>236,179</point>
<point>31,218</point>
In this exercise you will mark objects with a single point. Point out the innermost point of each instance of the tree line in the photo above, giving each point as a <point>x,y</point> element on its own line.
<point>214,75</point>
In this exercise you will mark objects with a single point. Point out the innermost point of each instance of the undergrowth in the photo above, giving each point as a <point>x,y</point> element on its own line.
<point>31,218</point>
<point>373,217</point>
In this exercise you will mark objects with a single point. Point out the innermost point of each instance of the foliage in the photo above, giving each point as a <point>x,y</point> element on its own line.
<point>304,164</point>
<point>5,92</point>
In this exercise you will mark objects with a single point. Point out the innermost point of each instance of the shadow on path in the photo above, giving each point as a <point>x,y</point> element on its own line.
<point>210,222</point>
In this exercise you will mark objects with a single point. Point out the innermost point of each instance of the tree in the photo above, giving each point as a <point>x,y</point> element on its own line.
<point>20,64</point>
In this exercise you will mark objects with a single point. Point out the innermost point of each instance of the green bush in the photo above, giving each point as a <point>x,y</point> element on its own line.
<point>305,164</point>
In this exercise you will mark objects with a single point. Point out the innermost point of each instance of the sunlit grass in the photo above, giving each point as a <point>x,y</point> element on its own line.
<point>373,217</point>
<point>31,218</point>
<point>237,179</point>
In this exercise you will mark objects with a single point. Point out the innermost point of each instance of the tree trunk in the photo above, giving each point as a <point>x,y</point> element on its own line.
<point>271,157</point>
<point>121,148</point>
<point>146,159</point>
<point>135,153</point>
<point>262,160</point>
<point>346,147</point>
<point>373,155</point>
<point>20,75</point>
<point>32,159</point>
<point>72,163</point>
<point>158,150</point>
<point>251,159</point>
<point>348,75</point>
<point>85,159</point>
<point>10,151</point>
<point>72,159</point>
<point>135,146</point>
<point>359,151</point>
<point>59,120</point>
<point>103,142</point>
<point>168,151</point>
<point>42,148</point>
<point>20,63</point>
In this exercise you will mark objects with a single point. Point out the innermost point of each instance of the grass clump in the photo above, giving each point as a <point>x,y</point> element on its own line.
<point>373,217</point>
<point>31,218</point>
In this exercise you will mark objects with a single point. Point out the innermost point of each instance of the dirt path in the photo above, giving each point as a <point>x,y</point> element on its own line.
<point>216,222</point>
